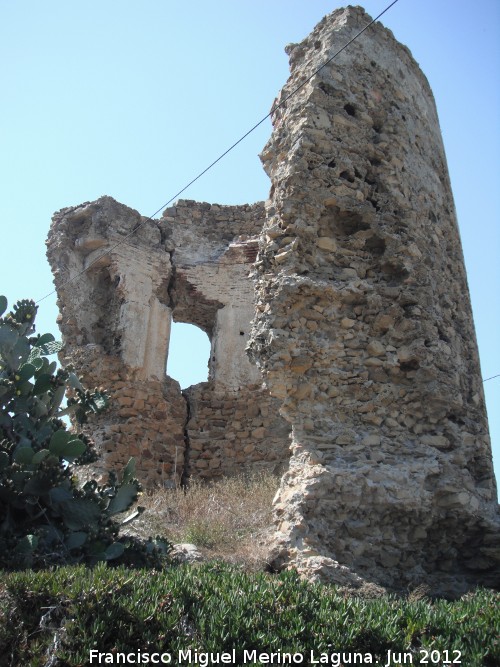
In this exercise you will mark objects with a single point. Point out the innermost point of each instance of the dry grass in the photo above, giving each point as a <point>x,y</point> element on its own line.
<point>230,519</point>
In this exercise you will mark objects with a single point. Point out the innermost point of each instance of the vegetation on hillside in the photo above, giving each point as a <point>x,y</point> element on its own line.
<point>58,617</point>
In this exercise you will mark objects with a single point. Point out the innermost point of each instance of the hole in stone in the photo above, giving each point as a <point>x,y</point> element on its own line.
<point>395,271</point>
<point>347,176</point>
<point>411,365</point>
<point>455,419</point>
<point>351,222</point>
<point>409,310</point>
<point>188,354</point>
<point>349,109</point>
<point>332,164</point>
<point>374,203</point>
<point>242,333</point>
<point>375,245</point>
<point>326,88</point>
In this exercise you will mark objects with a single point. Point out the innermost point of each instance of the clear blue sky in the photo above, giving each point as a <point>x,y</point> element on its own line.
<point>132,99</point>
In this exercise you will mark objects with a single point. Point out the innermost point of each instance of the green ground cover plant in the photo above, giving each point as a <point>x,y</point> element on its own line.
<point>58,617</point>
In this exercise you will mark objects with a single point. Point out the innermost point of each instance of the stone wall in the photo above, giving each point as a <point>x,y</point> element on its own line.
<point>363,325</point>
<point>230,433</point>
<point>191,266</point>
<point>358,320</point>
<point>234,424</point>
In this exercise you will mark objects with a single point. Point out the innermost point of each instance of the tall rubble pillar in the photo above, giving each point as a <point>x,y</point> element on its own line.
<point>364,328</point>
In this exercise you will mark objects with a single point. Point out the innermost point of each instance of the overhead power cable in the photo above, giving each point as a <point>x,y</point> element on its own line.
<point>221,156</point>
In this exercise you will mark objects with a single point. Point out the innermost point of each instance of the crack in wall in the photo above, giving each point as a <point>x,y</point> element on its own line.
<point>184,476</point>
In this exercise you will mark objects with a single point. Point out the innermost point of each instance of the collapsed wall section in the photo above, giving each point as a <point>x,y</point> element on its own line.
<point>133,276</point>
<point>364,329</point>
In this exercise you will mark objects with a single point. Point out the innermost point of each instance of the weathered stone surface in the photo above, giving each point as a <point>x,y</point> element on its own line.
<point>191,266</point>
<point>355,311</point>
<point>391,471</point>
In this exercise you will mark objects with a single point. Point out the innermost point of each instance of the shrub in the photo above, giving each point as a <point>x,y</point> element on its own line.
<point>46,517</point>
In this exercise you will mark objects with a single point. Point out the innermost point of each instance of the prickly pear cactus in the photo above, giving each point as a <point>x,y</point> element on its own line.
<point>46,517</point>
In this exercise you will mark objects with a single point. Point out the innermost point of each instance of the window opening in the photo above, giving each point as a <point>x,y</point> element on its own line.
<point>188,354</point>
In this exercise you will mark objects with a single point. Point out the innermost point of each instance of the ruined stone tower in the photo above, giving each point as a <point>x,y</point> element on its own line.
<point>357,320</point>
